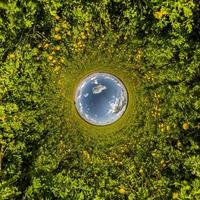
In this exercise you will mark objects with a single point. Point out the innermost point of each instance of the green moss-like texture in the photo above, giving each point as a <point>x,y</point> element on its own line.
<point>98,63</point>
<point>47,151</point>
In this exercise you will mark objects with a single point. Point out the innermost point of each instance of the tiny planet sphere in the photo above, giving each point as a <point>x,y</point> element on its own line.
<point>101,99</point>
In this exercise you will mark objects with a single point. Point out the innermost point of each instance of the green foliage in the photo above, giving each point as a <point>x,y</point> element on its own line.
<point>47,152</point>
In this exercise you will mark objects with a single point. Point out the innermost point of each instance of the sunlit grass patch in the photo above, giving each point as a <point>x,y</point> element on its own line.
<point>82,66</point>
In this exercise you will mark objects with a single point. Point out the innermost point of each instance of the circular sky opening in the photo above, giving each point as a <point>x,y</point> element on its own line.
<point>101,99</point>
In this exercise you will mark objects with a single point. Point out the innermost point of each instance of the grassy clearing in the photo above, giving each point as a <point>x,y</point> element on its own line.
<point>71,78</point>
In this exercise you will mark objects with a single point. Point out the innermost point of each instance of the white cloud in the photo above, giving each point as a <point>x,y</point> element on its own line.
<point>86,95</point>
<point>81,106</point>
<point>93,78</point>
<point>117,106</point>
<point>95,81</point>
<point>98,89</point>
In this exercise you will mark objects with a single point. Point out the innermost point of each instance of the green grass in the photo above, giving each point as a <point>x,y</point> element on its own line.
<point>75,72</point>
<point>47,151</point>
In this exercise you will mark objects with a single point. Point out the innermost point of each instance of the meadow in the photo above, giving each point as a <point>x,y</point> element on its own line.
<point>47,151</point>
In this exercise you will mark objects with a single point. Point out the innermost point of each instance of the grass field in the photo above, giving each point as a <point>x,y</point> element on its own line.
<point>47,151</point>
